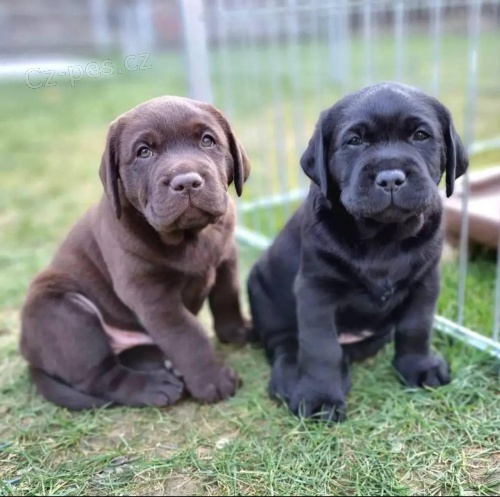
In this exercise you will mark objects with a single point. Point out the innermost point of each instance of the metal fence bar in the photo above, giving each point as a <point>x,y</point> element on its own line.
<point>470,117</point>
<point>274,200</point>
<point>399,13</point>
<point>297,101</point>
<point>485,146</point>
<point>468,336</point>
<point>436,46</point>
<point>250,84</point>
<point>195,40</point>
<point>279,125</point>
<point>252,238</point>
<point>315,41</point>
<point>496,309</point>
<point>338,42</point>
<point>368,41</point>
<point>99,12</point>
<point>145,29</point>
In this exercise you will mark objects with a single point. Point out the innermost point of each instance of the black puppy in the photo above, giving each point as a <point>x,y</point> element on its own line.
<point>358,263</point>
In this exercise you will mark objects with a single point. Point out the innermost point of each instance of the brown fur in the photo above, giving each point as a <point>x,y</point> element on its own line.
<point>143,260</point>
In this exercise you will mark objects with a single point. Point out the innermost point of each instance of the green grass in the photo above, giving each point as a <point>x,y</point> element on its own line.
<point>395,442</point>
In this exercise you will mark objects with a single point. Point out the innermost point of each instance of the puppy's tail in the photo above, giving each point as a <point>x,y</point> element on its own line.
<point>62,394</point>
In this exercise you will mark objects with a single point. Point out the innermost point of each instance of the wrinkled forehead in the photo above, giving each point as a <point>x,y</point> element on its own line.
<point>390,108</point>
<point>172,118</point>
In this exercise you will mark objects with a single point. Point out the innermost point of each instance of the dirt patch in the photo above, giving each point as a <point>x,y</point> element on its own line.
<point>175,484</point>
<point>483,466</point>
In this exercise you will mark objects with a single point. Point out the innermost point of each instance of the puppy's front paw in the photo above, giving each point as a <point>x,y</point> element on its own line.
<point>418,370</point>
<point>237,333</point>
<point>319,401</point>
<point>213,385</point>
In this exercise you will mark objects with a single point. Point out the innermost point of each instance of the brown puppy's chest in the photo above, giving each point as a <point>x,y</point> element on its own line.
<point>200,262</point>
<point>197,288</point>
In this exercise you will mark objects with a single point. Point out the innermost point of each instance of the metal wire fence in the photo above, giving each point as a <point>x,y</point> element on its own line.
<point>273,65</point>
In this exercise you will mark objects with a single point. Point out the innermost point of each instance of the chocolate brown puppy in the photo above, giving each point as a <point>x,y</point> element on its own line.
<point>134,271</point>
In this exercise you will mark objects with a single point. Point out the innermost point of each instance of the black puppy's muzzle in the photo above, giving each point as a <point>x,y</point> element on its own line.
<point>389,189</point>
<point>390,180</point>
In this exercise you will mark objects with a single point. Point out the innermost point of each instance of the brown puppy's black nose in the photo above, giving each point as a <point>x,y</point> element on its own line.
<point>187,181</point>
<point>390,179</point>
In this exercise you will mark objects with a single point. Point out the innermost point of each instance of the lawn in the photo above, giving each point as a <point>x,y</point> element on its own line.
<point>395,442</point>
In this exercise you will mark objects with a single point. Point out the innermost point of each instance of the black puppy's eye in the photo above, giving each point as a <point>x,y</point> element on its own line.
<point>144,153</point>
<point>355,141</point>
<point>420,136</point>
<point>207,141</point>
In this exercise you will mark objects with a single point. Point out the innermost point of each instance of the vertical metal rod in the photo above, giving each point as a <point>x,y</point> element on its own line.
<point>297,101</point>
<point>368,41</point>
<point>496,310</point>
<point>227,87</point>
<point>260,84</point>
<point>436,46</point>
<point>196,50</point>
<point>145,26</point>
<point>335,55</point>
<point>99,11</point>
<point>399,38</point>
<point>345,49</point>
<point>128,36</point>
<point>316,49</point>
<point>251,83</point>
<point>275,53</point>
<point>338,57</point>
<point>474,26</point>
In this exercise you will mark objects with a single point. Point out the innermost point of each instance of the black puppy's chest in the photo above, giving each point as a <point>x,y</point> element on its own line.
<point>377,286</point>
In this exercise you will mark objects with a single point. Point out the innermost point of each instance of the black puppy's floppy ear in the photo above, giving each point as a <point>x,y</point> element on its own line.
<point>457,158</point>
<point>313,160</point>
<point>108,171</point>
<point>241,163</point>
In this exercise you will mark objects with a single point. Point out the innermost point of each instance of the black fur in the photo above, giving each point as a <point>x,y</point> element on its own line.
<point>359,254</point>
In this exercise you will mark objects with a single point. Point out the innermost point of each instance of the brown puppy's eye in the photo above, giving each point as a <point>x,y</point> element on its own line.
<point>420,136</point>
<point>207,141</point>
<point>355,141</point>
<point>144,153</point>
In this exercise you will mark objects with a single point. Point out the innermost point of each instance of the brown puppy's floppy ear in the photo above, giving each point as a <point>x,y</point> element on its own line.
<point>241,164</point>
<point>108,171</point>
<point>314,162</point>
<point>457,158</point>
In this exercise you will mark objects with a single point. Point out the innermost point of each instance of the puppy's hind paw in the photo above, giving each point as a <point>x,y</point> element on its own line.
<point>158,389</point>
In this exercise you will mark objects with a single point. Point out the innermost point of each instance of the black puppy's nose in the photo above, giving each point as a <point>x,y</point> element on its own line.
<point>187,181</point>
<point>390,179</point>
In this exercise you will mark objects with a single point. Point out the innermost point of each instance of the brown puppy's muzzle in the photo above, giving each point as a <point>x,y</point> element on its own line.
<point>187,195</point>
<point>187,183</point>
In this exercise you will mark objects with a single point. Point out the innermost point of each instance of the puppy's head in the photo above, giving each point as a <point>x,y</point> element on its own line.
<point>384,150</point>
<point>172,159</point>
